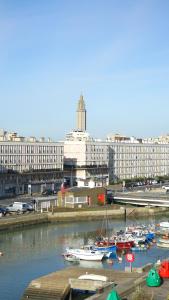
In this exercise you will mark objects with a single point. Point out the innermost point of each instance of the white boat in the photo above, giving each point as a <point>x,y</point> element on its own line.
<point>165,241</point>
<point>108,250</point>
<point>93,277</point>
<point>136,239</point>
<point>107,253</point>
<point>164,224</point>
<point>163,245</point>
<point>71,258</point>
<point>86,254</point>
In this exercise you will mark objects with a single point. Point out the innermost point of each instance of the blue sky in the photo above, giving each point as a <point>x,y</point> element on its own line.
<point>114,52</point>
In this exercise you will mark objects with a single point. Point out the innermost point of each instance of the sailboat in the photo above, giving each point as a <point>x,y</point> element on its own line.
<point>103,243</point>
<point>116,242</point>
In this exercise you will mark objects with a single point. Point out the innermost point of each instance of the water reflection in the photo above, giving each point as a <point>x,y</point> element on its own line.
<point>37,251</point>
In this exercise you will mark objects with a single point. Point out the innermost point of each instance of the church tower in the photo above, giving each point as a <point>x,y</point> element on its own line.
<point>81,115</point>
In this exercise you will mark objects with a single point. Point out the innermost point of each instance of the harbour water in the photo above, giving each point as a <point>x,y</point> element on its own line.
<point>37,251</point>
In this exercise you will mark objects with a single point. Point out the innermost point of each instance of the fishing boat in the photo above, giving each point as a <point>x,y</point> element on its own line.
<point>164,224</point>
<point>118,241</point>
<point>163,245</point>
<point>120,244</point>
<point>102,242</point>
<point>126,245</point>
<point>138,240</point>
<point>85,254</point>
<point>107,250</point>
<point>140,230</point>
<point>165,241</point>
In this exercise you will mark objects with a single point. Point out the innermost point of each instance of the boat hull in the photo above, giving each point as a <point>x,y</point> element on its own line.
<point>86,255</point>
<point>165,241</point>
<point>120,245</point>
<point>106,248</point>
<point>164,224</point>
<point>163,245</point>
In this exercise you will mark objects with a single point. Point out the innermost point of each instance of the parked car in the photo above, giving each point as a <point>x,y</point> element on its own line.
<point>29,207</point>
<point>165,187</point>
<point>47,192</point>
<point>3,210</point>
<point>154,182</point>
<point>17,207</point>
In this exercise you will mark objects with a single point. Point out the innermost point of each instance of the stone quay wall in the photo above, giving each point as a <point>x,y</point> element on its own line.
<point>12,222</point>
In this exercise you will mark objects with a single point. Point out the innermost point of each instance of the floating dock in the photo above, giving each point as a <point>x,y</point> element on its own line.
<point>56,286</point>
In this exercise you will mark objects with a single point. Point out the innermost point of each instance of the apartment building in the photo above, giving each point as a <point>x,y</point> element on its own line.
<point>123,160</point>
<point>24,154</point>
<point>129,160</point>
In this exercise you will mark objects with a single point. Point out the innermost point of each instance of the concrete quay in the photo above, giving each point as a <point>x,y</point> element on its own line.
<point>24,220</point>
<point>18,221</point>
<point>56,286</point>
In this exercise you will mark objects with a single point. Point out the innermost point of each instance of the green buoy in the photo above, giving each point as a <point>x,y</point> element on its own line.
<point>113,296</point>
<point>153,278</point>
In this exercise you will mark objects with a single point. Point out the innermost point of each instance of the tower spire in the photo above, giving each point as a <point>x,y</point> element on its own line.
<point>81,114</point>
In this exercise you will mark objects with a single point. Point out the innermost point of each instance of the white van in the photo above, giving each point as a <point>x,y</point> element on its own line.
<point>17,207</point>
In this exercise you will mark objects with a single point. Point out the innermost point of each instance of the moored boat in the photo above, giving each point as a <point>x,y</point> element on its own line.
<point>164,224</point>
<point>163,245</point>
<point>71,258</point>
<point>110,248</point>
<point>124,245</point>
<point>165,241</point>
<point>120,243</point>
<point>86,254</point>
<point>107,251</point>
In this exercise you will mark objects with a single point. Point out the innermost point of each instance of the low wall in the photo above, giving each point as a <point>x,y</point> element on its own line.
<point>22,221</point>
<point>145,211</point>
<point>85,215</point>
<point>8,223</point>
<point>125,289</point>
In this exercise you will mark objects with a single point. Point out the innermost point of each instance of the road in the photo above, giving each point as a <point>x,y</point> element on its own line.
<point>7,201</point>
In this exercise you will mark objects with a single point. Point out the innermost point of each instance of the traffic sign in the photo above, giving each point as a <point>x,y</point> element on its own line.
<point>130,257</point>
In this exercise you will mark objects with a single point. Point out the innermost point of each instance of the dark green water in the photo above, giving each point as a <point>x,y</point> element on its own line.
<point>37,251</point>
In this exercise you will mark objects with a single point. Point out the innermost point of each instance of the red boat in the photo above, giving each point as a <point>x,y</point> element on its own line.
<point>120,241</point>
<point>119,244</point>
<point>124,245</point>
